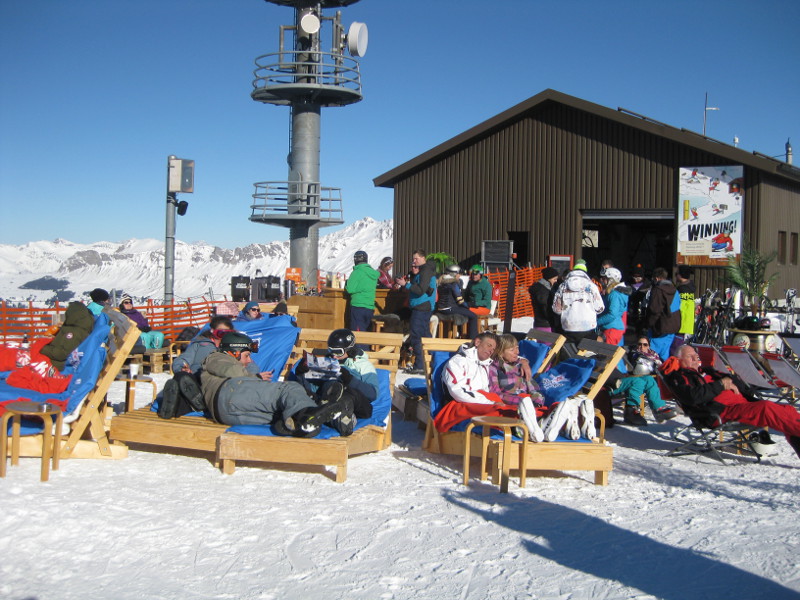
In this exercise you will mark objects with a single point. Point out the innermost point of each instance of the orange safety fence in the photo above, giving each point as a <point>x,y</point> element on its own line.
<point>18,321</point>
<point>525,278</point>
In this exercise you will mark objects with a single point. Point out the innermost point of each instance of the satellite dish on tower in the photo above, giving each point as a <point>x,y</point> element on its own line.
<point>309,23</point>
<point>357,39</point>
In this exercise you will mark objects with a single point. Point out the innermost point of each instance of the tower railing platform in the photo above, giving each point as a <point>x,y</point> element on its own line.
<point>281,202</point>
<point>287,76</point>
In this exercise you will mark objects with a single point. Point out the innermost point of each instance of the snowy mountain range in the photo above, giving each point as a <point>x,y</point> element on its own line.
<point>45,270</point>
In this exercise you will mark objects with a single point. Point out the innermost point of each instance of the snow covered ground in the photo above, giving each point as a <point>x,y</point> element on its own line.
<point>403,526</point>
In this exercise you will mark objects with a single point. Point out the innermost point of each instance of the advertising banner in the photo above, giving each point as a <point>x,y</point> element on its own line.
<point>710,201</point>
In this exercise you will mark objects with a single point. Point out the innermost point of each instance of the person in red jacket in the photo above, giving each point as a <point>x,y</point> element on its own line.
<point>705,390</point>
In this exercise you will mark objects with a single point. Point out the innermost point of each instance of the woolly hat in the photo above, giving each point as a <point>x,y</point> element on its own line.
<point>99,295</point>
<point>125,298</point>
<point>227,309</point>
<point>549,273</point>
<point>250,305</point>
<point>580,265</point>
<point>280,309</point>
<point>637,271</point>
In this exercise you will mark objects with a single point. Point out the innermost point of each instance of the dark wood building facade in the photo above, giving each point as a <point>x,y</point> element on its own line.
<point>548,170</point>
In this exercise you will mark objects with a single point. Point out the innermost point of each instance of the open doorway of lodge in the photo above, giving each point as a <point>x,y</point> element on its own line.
<point>646,239</point>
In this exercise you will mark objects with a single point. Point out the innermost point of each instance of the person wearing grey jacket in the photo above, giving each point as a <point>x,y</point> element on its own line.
<point>234,396</point>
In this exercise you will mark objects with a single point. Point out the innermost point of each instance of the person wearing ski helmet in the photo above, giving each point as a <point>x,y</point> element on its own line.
<point>478,294</point>
<point>361,287</point>
<point>357,375</point>
<point>234,396</point>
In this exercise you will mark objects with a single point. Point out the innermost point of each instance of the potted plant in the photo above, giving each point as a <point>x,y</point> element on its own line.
<point>442,260</point>
<point>749,274</point>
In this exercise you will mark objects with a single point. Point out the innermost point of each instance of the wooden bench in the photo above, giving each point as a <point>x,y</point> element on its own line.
<point>143,426</point>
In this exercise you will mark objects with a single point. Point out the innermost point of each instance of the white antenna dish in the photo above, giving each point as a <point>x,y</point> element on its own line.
<point>309,23</point>
<point>357,39</point>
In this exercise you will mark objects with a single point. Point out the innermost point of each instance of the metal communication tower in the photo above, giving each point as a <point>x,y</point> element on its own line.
<point>305,77</point>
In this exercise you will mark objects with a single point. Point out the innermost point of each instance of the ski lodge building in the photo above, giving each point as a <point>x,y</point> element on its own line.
<point>560,176</point>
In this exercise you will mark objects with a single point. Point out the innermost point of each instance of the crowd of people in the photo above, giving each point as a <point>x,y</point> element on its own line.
<point>217,376</point>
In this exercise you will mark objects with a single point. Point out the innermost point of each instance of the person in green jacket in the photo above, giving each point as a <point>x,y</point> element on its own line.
<point>361,286</point>
<point>478,294</point>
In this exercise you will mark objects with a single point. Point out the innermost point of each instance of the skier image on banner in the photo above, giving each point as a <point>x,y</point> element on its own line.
<point>722,243</point>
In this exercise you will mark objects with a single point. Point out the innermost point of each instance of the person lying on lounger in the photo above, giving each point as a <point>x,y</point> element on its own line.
<point>465,378</point>
<point>234,396</point>
<point>343,366</point>
<point>703,389</point>
<point>182,393</point>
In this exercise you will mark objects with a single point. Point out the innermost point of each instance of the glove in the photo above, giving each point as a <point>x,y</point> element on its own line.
<point>346,376</point>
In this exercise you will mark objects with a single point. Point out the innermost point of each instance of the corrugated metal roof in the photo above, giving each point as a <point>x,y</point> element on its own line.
<point>622,116</point>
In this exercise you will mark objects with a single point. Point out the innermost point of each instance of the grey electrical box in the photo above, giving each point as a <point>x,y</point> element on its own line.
<point>181,175</point>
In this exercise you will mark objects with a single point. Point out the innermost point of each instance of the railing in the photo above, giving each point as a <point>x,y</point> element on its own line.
<point>17,322</point>
<point>525,278</point>
<point>304,200</point>
<point>306,68</point>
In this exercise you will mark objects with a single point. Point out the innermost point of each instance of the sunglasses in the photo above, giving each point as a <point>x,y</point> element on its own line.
<point>643,344</point>
<point>255,310</point>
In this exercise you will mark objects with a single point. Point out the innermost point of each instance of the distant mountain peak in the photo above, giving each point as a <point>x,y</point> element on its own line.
<point>137,265</point>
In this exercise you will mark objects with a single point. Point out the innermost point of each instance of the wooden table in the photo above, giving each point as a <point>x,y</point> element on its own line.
<point>51,443</point>
<point>506,424</point>
<point>130,388</point>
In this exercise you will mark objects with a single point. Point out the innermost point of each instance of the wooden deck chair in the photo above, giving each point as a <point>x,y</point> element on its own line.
<point>582,455</point>
<point>103,354</point>
<point>554,340</point>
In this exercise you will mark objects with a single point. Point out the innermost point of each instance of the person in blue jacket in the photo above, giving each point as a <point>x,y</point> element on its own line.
<point>421,286</point>
<point>611,323</point>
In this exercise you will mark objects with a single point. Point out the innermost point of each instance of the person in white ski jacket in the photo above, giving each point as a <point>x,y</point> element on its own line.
<point>578,301</point>
<point>466,375</point>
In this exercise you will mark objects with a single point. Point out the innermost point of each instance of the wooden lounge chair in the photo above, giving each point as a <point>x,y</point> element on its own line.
<point>143,426</point>
<point>87,437</point>
<point>581,455</point>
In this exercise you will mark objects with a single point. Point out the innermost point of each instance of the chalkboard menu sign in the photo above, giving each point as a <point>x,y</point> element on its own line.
<point>560,262</point>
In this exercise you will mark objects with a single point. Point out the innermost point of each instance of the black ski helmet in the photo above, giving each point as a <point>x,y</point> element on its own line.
<point>341,342</point>
<point>235,342</point>
<point>360,257</point>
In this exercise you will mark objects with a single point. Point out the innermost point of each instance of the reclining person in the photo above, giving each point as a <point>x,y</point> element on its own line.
<point>234,396</point>
<point>465,379</point>
<point>352,374</point>
<point>182,393</point>
<point>712,392</point>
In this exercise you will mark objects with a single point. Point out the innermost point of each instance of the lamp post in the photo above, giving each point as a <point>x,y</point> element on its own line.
<point>705,113</point>
<point>180,178</point>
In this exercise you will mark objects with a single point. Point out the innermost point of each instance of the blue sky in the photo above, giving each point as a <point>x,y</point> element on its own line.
<point>95,94</point>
